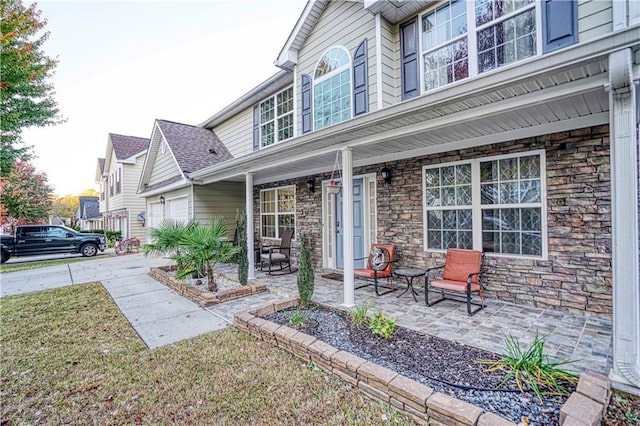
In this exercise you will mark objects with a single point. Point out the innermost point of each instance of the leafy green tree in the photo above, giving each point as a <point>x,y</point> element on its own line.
<point>26,93</point>
<point>25,194</point>
<point>64,206</point>
<point>195,248</point>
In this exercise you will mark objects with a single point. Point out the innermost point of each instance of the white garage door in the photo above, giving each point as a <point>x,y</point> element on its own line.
<point>155,215</point>
<point>178,209</point>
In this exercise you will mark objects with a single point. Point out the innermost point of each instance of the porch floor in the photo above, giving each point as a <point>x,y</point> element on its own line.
<point>587,340</point>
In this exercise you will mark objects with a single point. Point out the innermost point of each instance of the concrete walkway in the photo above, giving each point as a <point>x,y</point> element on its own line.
<point>158,314</point>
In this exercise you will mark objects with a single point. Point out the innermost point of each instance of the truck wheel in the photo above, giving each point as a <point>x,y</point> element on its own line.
<point>4,256</point>
<point>89,250</point>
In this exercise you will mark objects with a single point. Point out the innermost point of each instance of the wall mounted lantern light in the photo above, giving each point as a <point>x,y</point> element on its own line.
<point>386,174</point>
<point>162,200</point>
<point>311,185</point>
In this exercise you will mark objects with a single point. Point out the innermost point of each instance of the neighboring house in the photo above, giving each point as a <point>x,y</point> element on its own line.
<point>88,216</point>
<point>177,150</point>
<point>119,173</point>
<point>508,127</point>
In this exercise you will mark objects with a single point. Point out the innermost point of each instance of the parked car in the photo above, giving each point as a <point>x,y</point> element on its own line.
<point>31,240</point>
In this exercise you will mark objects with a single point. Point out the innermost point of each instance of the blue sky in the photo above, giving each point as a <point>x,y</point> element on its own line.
<point>124,64</point>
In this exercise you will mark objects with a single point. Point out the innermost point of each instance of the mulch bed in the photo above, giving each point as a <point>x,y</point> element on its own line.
<point>443,365</point>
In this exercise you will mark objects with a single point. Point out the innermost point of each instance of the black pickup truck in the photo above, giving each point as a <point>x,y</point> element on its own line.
<point>31,240</point>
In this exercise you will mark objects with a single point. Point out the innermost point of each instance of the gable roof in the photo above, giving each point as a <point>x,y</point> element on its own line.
<point>101,165</point>
<point>88,207</point>
<point>127,146</point>
<point>193,147</point>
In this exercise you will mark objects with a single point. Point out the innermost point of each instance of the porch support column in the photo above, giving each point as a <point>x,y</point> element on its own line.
<point>248,188</point>
<point>347,220</point>
<point>624,221</point>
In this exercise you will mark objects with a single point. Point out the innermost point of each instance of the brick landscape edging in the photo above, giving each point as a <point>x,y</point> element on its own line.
<point>202,297</point>
<point>585,406</point>
<point>406,395</point>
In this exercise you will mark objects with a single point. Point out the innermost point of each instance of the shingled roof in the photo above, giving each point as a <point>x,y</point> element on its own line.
<point>127,146</point>
<point>193,147</point>
<point>101,165</point>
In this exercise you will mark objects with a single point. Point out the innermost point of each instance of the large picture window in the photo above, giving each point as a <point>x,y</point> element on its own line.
<point>492,204</point>
<point>332,89</point>
<point>276,118</point>
<point>489,33</point>
<point>277,211</point>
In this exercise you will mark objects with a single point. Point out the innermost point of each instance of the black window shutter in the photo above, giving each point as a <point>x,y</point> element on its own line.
<point>559,24</point>
<point>256,128</point>
<point>360,86</point>
<point>306,103</point>
<point>409,58</point>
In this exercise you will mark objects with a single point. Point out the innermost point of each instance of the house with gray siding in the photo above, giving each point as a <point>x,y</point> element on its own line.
<point>176,150</point>
<point>508,127</point>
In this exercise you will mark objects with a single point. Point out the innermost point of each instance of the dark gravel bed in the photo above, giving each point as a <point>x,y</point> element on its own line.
<point>443,365</point>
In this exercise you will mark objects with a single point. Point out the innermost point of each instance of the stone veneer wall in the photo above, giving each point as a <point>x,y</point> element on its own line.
<point>577,274</point>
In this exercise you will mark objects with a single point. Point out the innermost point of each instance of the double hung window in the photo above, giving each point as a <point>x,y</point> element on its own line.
<point>276,118</point>
<point>492,204</point>
<point>277,211</point>
<point>465,38</point>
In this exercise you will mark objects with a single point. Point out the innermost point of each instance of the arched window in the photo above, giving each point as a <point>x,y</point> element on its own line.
<point>332,88</point>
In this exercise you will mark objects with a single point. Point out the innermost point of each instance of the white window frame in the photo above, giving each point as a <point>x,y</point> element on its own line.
<point>276,214</point>
<point>477,206</point>
<point>333,73</point>
<point>275,118</point>
<point>472,41</point>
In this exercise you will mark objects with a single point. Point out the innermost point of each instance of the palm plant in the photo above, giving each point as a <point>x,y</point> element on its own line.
<point>195,248</point>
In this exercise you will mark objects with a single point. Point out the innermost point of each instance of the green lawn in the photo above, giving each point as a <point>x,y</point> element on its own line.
<point>69,356</point>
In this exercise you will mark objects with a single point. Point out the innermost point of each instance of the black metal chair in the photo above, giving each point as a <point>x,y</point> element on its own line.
<point>278,255</point>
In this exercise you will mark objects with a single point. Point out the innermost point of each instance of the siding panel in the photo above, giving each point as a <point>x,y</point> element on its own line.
<point>164,167</point>
<point>237,133</point>
<point>219,199</point>
<point>595,18</point>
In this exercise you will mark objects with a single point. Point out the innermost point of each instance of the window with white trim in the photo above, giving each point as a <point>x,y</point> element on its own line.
<point>493,204</point>
<point>277,211</point>
<point>462,39</point>
<point>332,89</point>
<point>276,118</point>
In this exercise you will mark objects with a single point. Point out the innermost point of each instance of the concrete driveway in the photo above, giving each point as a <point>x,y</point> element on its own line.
<point>158,314</point>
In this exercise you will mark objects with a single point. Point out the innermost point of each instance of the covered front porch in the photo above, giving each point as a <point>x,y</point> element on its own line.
<point>587,340</point>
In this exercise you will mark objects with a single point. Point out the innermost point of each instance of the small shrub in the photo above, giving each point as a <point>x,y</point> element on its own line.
<point>380,325</point>
<point>304,277</point>
<point>298,317</point>
<point>360,314</point>
<point>532,369</point>
<point>242,256</point>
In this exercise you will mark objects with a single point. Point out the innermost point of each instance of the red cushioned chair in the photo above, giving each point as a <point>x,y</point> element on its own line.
<point>379,265</point>
<point>461,278</point>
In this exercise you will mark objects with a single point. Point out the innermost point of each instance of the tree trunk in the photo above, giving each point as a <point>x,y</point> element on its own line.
<point>211,283</point>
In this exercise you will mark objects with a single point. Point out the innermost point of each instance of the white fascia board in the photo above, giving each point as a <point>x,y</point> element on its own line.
<point>183,183</point>
<point>284,55</point>
<point>175,160</point>
<point>133,158</point>
<point>145,174</point>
